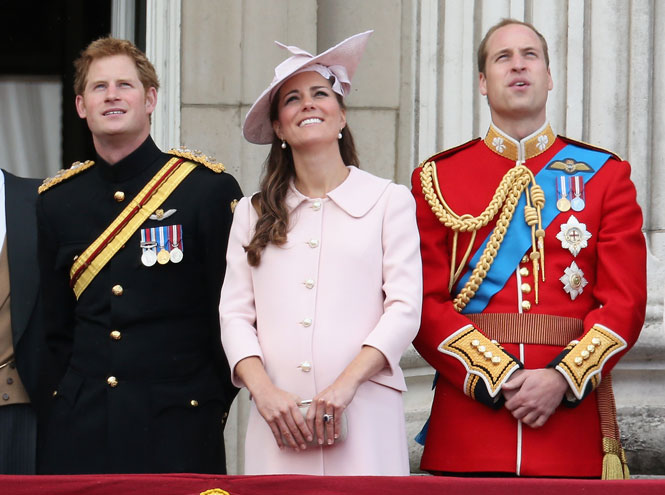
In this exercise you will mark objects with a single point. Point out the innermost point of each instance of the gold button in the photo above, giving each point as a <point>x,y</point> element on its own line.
<point>309,283</point>
<point>117,290</point>
<point>475,342</point>
<point>194,403</point>
<point>119,196</point>
<point>595,341</point>
<point>5,396</point>
<point>115,334</point>
<point>584,354</point>
<point>55,392</point>
<point>306,322</point>
<point>524,271</point>
<point>488,355</point>
<point>305,366</point>
<point>525,259</point>
<point>591,348</point>
<point>316,206</point>
<point>313,243</point>
<point>526,305</point>
<point>526,288</point>
<point>496,360</point>
<point>481,348</point>
<point>112,381</point>
<point>578,361</point>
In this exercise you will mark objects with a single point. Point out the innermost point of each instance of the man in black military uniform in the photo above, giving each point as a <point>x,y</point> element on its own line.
<point>132,257</point>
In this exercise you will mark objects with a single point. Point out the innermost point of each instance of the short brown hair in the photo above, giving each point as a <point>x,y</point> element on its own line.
<point>108,47</point>
<point>482,48</point>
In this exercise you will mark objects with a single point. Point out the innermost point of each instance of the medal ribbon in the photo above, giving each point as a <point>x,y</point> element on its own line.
<point>175,236</point>
<point>518,236</point>
<point>564,188</point>
<point>577,186</point>
<point>99,253</point>
<point>163,239</point>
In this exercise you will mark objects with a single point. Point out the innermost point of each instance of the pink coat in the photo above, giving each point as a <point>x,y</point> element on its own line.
<point>349,275</point>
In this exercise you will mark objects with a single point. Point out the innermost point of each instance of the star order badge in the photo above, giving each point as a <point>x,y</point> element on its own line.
<point>573,280</point>
<point>573,235</point>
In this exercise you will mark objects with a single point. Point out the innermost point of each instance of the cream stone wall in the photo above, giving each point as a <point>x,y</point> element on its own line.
<point>415,93</point>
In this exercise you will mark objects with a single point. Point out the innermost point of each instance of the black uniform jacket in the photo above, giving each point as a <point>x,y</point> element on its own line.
<point>21,222</point>
<point>142,384</point>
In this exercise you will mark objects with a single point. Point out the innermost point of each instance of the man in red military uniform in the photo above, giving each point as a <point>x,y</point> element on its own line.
<point>534,283</point>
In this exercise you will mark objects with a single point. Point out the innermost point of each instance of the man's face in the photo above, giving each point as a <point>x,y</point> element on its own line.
<point>114,102</point>
<point>516,79</point>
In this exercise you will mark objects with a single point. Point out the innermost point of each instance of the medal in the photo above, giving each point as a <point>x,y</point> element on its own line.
<point>175,240</point>
<point>163,256</point>
<point>578,203</point>
<point>563,203</point>
<point>176,255</point>
<point>148,257</point>
<point>573,281</point>
<point>573,235</point>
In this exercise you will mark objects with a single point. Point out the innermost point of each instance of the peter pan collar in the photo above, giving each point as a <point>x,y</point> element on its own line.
<point>535,144</point>
<point>356,195</point>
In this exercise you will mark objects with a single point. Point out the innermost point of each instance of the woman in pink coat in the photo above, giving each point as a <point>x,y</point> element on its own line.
<point>323,284</point>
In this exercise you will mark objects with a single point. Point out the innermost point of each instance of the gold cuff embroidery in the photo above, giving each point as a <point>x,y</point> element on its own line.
<point>587,357</point>
<point>470,387</point>
<point>481,357</point>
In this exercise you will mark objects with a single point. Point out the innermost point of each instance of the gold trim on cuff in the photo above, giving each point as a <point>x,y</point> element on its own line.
<point>481,357</point>
<point>587,357</point>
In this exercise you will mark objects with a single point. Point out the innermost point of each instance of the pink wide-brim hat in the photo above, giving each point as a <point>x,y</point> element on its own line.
<point>257,127</point>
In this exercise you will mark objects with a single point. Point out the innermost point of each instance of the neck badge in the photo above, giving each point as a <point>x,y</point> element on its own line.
<point>573,235</point>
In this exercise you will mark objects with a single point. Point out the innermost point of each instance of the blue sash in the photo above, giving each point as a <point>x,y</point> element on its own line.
<point>518,236</point>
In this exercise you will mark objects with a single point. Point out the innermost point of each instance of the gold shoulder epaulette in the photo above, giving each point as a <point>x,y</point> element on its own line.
<point>450,151</point>
<point>64,174</point>
<point>582,144</point>
<point>198,157</point>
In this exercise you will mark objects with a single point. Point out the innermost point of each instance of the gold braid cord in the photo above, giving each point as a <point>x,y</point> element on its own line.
<point>505,199</point>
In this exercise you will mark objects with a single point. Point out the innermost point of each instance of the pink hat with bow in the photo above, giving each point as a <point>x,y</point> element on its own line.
<point>340,62</point>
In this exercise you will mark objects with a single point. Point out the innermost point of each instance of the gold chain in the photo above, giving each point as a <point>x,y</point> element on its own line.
<point>506,196</point>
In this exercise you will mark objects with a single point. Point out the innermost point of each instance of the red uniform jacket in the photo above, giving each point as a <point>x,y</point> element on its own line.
<point>469,429</point>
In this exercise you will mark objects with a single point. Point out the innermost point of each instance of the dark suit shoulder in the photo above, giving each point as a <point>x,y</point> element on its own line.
<point>65,174</point>
<point>23,184</point>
